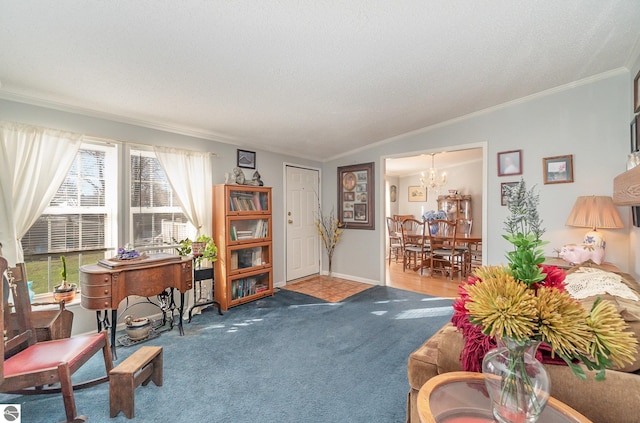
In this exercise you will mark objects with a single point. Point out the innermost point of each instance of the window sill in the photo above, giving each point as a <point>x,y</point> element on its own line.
<point>46,301</point>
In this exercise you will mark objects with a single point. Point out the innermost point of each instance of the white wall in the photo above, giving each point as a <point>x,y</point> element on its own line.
<point>589,119</point>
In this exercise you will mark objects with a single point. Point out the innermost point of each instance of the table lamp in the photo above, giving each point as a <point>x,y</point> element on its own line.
<point>595,212</point>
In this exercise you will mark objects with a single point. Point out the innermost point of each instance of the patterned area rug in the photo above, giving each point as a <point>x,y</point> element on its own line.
<point>326,288</point>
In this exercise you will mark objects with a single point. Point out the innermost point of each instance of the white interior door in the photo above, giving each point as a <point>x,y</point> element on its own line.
<point>303,257</point>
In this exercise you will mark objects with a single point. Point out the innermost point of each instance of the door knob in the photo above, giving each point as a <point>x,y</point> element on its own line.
<point>290,221</point>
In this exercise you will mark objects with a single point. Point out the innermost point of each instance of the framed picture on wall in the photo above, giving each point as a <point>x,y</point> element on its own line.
<point>510,163</point>
<point>247,159</point>
<point>417,193</point>
<point>636,94</point>
<point>505,187</point>
<point>558,169</point>
<point>635,132</point>
<point>356,203</point>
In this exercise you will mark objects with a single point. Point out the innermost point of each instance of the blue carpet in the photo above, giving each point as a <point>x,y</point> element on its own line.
<point>286,358</point>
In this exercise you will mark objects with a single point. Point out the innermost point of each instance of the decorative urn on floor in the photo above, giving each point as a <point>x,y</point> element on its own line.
<point>137,328</point>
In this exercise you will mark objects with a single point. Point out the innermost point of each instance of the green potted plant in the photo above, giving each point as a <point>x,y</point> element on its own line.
<point>203,248</point>
<point>64,291</point>
<point>184,246</point>
<point>208,252</point>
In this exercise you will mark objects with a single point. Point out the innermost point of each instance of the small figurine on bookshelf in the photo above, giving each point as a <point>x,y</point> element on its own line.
<point>238,175</point>
<point>256,179</point>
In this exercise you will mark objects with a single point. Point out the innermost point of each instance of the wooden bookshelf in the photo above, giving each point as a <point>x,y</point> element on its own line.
<point>242,232</point>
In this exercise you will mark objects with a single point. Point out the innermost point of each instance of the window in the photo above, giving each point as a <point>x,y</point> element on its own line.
<point>78,222</point>
<point>156,216</point>
<point>81,221</point>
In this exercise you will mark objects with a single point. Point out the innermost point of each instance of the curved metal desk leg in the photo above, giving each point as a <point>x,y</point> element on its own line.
<point>180,328</point>
<point>112,331</point>
<point>102,321</point>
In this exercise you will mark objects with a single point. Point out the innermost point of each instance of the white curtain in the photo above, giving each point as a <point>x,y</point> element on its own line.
<point>190,176</point>
<point>34,163</point>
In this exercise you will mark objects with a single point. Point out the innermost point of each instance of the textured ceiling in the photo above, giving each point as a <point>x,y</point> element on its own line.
<point>312,79</point>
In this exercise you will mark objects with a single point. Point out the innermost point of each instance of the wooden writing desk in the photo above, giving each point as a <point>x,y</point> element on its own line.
<point>105,284</point>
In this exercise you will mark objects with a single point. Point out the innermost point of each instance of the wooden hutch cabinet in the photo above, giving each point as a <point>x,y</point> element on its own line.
<point>242,233</point>
<point>456,206</point>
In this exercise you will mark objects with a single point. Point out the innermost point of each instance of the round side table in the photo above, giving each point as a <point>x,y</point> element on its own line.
<point>458,397</point>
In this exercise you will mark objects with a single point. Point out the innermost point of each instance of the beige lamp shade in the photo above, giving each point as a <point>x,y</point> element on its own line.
<point>595,212</point>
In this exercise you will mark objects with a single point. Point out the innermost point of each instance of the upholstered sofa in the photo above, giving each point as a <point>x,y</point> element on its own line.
<point>614,400</point>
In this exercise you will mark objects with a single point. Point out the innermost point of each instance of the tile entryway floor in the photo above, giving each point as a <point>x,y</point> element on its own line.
<point>330,289</point>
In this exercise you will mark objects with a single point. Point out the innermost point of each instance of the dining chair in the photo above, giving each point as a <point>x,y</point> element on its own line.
<point>400,217</point>
<point>464,230</point>
<point>413,243</point>
<point>445,258</point>
<point>464,226</point>
<point>475,256</point>
<point>31,367</point>
<point>395,239</point>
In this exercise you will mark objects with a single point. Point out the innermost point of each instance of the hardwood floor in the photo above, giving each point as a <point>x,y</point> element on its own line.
<point>336,289</point>
<point>437,286</point>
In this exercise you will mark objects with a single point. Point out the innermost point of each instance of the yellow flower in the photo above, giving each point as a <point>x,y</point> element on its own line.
<point>507,308</point>
<point>612,339</point>
<point>503,306</point>
<point>562,322</point>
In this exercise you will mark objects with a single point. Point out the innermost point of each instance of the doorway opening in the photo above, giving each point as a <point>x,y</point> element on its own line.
<point>466,171</point>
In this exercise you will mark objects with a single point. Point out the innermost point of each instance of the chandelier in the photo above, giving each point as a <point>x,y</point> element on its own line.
<point>433,181</point>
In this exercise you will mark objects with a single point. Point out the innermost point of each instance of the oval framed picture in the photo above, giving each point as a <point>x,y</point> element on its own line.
<point>349,181</point>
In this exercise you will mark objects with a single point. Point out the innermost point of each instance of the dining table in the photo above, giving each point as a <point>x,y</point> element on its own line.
<point>471,242</point>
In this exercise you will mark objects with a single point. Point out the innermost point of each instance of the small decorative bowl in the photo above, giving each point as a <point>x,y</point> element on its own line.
<point>136,333</point>
<point>131,321</point>
<point>137,328</point>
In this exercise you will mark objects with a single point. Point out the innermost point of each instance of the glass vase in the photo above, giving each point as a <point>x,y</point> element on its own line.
<point>517,382</point>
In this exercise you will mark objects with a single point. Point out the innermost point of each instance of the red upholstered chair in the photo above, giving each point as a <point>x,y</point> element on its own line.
<point>31,367</point>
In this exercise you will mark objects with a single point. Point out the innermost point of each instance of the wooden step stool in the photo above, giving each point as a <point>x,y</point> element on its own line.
<point>142,366</point>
